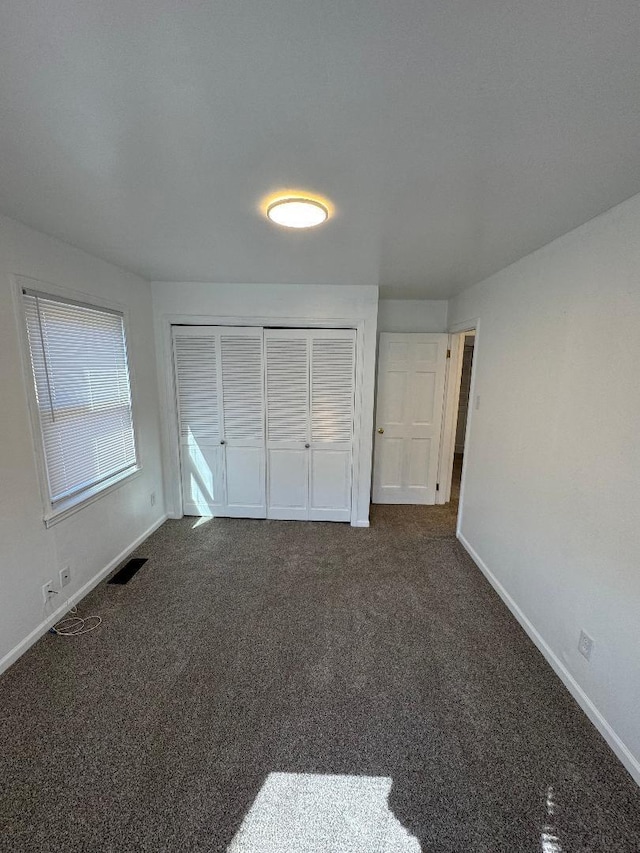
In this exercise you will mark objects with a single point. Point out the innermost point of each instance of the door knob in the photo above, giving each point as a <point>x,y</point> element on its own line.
<point>222,441</point>
<point>307,446</point>
<point>380,430</point>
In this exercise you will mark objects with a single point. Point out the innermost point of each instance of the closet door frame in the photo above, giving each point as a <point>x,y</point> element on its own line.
<point>172,480</point>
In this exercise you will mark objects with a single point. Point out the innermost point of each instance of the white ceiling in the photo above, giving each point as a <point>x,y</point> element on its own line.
<point>453,136</point>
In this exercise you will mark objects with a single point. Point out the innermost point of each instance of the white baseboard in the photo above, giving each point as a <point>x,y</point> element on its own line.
<point>625,755</point>
<point>360,523</point>
<point>44,626</point>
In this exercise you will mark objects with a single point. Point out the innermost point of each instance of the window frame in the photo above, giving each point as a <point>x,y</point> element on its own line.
<point>64,508</point>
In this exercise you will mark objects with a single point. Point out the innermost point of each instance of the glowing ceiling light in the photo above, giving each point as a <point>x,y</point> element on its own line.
<point>297,212</point>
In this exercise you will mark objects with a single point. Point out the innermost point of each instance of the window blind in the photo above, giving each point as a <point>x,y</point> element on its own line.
<point>81,376</point>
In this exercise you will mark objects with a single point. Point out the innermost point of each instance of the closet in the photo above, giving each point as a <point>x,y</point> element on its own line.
<point>265,421</point>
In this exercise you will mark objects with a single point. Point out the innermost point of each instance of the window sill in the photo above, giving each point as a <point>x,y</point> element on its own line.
<point>78,502</point>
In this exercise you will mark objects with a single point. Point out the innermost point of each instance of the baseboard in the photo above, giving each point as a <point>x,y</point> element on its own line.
<point>360,523</point>
<point>43,627</point>
<point>625,755</point>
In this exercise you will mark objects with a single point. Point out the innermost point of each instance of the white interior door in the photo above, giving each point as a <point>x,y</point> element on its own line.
<point>202,464</point>
<point>333,353</point>
<point>287,398</point>
<point>409,407</point>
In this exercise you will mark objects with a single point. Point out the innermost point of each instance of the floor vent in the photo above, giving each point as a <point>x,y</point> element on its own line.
<point>129,569</point>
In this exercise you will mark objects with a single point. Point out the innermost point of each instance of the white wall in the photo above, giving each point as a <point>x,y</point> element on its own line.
<point>92,538</point>
<point>194,302</point>
<point>412,315</point>
<point>550,498</point>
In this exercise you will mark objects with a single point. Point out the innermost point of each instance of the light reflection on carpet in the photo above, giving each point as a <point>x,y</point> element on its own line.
<point>316,813</point>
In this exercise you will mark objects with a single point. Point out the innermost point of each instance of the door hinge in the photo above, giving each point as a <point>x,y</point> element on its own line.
<point>437,487</point>
<point>448,353</point>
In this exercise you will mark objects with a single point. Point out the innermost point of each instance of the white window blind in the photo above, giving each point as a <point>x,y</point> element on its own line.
<point>81,376</point>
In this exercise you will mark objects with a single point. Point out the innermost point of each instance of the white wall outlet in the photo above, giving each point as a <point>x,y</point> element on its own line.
<point>477,401</point>
<point>585,645</point>
<point>48,591</point>
<point>152,497</point>
<point>65,576</point>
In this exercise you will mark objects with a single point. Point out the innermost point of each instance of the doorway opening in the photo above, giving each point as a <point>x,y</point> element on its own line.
<point>459,403</point>
<point>464,392</point>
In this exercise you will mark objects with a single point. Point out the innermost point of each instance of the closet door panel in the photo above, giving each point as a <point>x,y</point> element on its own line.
<point>330,485</point>
<point>196,367</point>
<point>287,369</point>
<point>241,355</point>
<point>287,404</point>
<point>245,478</point>
<point>203,487</point>
<point>288,477</point>
<point>242,382</point>
<point>332,385</point>
<point>332,406</point>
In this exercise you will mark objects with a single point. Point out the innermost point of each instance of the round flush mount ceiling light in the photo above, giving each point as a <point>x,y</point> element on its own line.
<point>297,211</point>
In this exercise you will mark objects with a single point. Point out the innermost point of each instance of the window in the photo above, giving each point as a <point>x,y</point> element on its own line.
<point>83,395</point>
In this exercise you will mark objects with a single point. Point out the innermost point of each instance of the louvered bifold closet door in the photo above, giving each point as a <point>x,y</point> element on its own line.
<point>288,423</point>
<point>310,405</point>
<point>197,380</point>
<point>242,382</point>
<point>332,392</point>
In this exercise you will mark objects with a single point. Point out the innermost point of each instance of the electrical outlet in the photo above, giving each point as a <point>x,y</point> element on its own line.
<point>477,401</point>
<point>65,576</point>
<point>585,645</point>
<point>152,497</point>
<point>48,591</point>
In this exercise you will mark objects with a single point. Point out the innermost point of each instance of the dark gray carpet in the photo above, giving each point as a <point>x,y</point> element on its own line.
<point>244,648</point>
